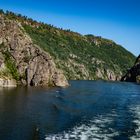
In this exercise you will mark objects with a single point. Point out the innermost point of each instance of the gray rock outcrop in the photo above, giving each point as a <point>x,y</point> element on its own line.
<point>35,66</point>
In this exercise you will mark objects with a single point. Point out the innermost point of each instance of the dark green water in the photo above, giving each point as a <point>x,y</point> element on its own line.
<point>87,110</point>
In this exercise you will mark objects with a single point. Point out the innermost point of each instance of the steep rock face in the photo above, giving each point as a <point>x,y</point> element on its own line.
<point>35,67</point>
<point>133,74</point>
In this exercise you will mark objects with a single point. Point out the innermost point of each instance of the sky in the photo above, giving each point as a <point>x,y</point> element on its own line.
<point>118,20</point>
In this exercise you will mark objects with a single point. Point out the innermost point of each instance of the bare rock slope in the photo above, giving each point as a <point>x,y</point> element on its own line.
<point>33,66</point>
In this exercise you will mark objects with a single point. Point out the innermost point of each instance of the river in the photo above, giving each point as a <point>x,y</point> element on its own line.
<point>86,110</point>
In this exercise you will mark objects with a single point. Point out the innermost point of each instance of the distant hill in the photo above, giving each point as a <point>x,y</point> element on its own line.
<point>77,56</point>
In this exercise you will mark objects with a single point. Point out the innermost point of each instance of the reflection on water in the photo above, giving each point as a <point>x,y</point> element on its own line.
<point>87,110</point>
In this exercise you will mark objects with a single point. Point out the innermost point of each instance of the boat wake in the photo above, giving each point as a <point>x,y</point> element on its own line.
<point>97,129</point>
<point>136,121</point>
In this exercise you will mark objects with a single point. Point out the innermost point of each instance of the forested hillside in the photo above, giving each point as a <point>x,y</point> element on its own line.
<point>78,56</point>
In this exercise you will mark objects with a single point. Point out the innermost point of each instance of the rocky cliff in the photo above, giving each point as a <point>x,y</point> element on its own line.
<point>133,74</point>
<point>23,60</point>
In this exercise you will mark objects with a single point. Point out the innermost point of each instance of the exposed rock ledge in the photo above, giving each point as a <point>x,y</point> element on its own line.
<point>7,82</point>
<point>133,74</point>
<point>35,66</point>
